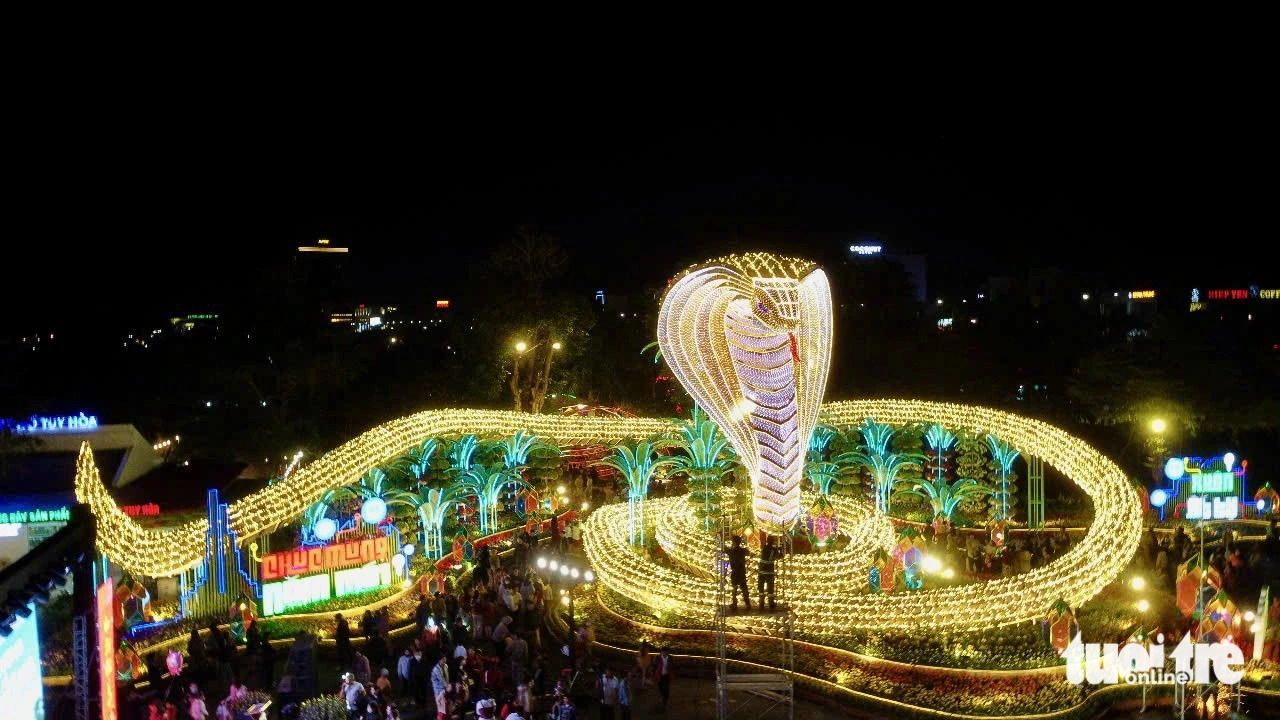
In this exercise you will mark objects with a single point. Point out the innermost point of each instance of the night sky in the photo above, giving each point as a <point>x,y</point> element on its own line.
<point>167,216</point>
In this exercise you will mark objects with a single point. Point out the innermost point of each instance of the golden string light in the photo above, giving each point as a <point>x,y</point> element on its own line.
<point>749,336</point>
<point>833,604</point>
<point>165,552</point>
<point>1093,563</point>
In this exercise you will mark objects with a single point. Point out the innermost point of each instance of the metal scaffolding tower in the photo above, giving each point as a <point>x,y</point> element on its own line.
<point>772,627</point>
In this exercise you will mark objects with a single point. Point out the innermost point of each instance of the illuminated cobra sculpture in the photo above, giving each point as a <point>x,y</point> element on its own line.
<point>749,336</point>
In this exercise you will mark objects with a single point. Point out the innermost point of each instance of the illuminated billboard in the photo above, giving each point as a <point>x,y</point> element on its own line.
<point>20,680</point>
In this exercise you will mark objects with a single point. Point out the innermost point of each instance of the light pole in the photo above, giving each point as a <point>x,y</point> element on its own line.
<point>565,575</point>
<point>538,390</point>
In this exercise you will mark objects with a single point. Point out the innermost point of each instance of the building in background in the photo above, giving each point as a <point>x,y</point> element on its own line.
<point>869,257</point>
<point>37,479</point>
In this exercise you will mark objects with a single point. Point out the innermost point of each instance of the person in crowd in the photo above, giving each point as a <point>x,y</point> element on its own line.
<point>608,688</point>
<point>664,677</point>
<point>563,709</point>
<point>195,703</point>
<point>764,582</point>
<point>402,671</point>
<point>355,696</point>
<point>266,663</point>
<point>738,571</point>
<point>360,667</point>
<point>418,677</point>
<point>440,686</point>
<point>342,636</point>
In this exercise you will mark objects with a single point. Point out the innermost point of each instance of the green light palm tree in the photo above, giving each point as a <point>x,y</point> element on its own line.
<point>707,458</point>
<point>822,474</point>
<point>1004,455</point>
<point>417,464</point>
<point>430,505</point>
<point>637,466</point>
<point>940,440</point>
<point>821,439</point>
<point>945,497</point>
<point>462,454</point>
<point>876,455</point>
<point>487,484</point>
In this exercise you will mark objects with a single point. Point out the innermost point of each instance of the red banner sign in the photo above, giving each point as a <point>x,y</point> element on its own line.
<point>309,561</point>
<point>148,510</point>
<point>1233,294</point>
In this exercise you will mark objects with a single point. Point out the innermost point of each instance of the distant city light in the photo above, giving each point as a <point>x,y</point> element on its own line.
<point>1084,296</point>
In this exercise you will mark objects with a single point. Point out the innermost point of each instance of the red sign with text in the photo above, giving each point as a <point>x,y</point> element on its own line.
<point>148,510</point>
<point>309,561</point>
<point>1235,294</point>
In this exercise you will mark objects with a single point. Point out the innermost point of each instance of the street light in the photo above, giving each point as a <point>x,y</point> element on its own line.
<point>564,577</point>
<point>1157,425</point>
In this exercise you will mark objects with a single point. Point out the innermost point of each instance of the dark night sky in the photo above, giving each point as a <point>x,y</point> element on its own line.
<point>163,215</point>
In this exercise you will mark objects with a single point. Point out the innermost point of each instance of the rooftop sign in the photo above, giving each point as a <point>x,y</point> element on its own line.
<point>865,249</point>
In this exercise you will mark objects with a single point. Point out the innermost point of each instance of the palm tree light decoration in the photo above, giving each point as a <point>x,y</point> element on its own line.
<point>707,456</point>
<point>638,467</point>
<point>417,463</point>
<point>430,504</point>
<point>940,441</point>
<point>373,490</point>
<point>487,484</point>
<point>462,453</point>
<point>945,497</point>
<point>821,519</point>
<point>877,456</point>
<point>820,441</point>
<point>317,527</point>
<point>1004,455</point>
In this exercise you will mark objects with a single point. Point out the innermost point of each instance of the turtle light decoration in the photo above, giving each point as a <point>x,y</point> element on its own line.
<point>1192,574</point>
<point>243,616</point>
<point>821,522</point>
<point>909,552</point>
<point>527,502</point>
<point>133,604</point>
<point>1061,625</point>
<point>1266,500</point>
<point>880,576</point>
<point>999,531</point>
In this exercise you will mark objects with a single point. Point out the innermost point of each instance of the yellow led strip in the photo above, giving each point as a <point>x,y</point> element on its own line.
<point>831,605</point>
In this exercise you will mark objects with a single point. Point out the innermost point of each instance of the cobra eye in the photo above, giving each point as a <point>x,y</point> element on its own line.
<point>764,309</point>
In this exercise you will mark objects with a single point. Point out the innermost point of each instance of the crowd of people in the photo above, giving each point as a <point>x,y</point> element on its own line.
<point>481,651</point>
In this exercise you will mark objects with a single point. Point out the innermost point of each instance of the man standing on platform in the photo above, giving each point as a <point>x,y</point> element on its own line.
<point>738,571</point>
<point>764,581</point>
